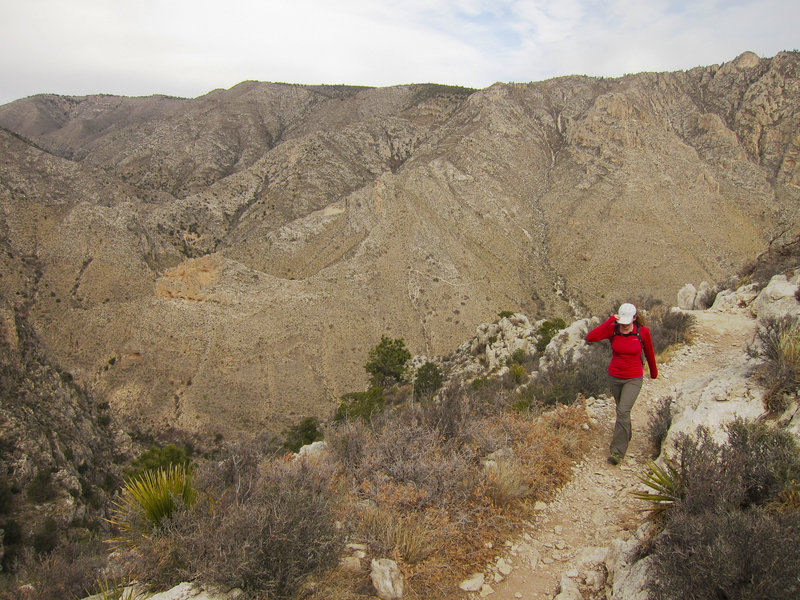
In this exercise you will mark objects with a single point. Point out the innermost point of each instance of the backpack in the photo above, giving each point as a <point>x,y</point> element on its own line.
<point>635,332</point>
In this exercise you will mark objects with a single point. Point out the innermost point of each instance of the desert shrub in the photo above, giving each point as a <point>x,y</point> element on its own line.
<point>157,457</point>
<point>346,441</point>
<point>270,542</point>
<point>234,471</point>
<point>65,572</point>
<point>565,378</point>
<point>733,555</point>
<point>386,362</point>
<point>659,423</point>
<point>546,331</point>
<point>766,460</point>
<point>45,538</point>
<point>415,457</point>
<point>668,327</point>
<point>505,314</point>
<point>305,432</point>
<point>360,405</point>
<point>778,345</point>
<point>427,381</point>
<point>451,415</point>
<point>721,538</point>
<point>518,357</point>
<point>41,488</point>
<point>518,373</point>
<point>150,499</point>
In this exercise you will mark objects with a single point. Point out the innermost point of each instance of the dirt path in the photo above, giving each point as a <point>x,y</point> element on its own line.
<point>597,506</point>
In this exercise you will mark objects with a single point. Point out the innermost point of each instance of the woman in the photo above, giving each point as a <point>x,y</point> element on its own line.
<point>629,338</point>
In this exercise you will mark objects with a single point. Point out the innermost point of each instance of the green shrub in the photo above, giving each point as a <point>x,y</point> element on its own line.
<point>546,331</point>
<point>157,457</point>
<point>505,314</point>
<point>305,432</point>
<point>518,357</point>
<point>360,405</point>
<point>387,361</point>
<point>519,373</point>
<point>428,380</point>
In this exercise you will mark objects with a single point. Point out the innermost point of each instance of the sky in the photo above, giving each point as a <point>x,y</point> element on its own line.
<point>190,47</point>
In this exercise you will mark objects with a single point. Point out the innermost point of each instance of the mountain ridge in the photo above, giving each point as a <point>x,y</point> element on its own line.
<point>237,253</point>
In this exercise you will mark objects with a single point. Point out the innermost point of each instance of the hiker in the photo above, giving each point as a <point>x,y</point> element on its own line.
<point>629,339</point>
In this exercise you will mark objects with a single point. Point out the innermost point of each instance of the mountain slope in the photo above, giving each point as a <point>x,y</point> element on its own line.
<point>238,253</point>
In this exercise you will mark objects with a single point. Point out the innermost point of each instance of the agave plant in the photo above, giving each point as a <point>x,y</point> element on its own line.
<point>666,483</point>
<point>150,498</point>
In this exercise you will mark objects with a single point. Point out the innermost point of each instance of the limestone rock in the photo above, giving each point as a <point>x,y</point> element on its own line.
<point>473,583</point>
<point>313,450</point>
<point>189,591</point>
<point>735,300</point>
<point>778,298</point>
<point>687,296</point>
<point>568,590</point>
<point>386,579</point>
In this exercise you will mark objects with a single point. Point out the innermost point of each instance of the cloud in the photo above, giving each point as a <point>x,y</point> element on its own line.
<point>188,47</point>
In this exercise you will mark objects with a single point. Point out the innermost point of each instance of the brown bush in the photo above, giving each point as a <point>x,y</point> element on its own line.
<point>64,573</point>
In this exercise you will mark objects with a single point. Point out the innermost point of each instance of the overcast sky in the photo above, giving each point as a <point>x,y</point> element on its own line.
<point>189,47</point>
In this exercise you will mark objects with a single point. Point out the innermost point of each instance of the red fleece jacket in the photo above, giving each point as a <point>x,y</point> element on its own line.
<point>626,350</point>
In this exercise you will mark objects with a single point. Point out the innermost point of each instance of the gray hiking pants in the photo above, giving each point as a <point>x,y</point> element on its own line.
<point>625,392</point>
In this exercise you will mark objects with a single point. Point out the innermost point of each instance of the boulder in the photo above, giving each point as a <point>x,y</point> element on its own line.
<point>687,296</point>
<point>731,301</point>
<point>705,296</point>
<point>386,579</point>
<point>315,450</point>
<point>778,298</point>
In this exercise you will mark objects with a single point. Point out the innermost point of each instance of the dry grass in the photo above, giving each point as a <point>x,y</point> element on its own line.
<point>424,498</point>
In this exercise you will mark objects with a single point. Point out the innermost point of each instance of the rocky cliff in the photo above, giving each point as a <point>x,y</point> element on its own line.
<point>222,264</point>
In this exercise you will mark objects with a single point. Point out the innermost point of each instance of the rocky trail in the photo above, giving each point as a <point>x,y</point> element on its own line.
<point>570,536</point>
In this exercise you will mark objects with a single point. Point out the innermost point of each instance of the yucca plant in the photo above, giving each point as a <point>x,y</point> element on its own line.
<point>148,499</point>
<point>666,483</point>
<point>113,588</point>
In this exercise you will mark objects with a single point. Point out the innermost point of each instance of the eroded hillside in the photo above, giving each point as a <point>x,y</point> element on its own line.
<point>223,263</point>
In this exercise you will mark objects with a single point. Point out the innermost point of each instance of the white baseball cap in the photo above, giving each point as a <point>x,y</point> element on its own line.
<point>626,314</point>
